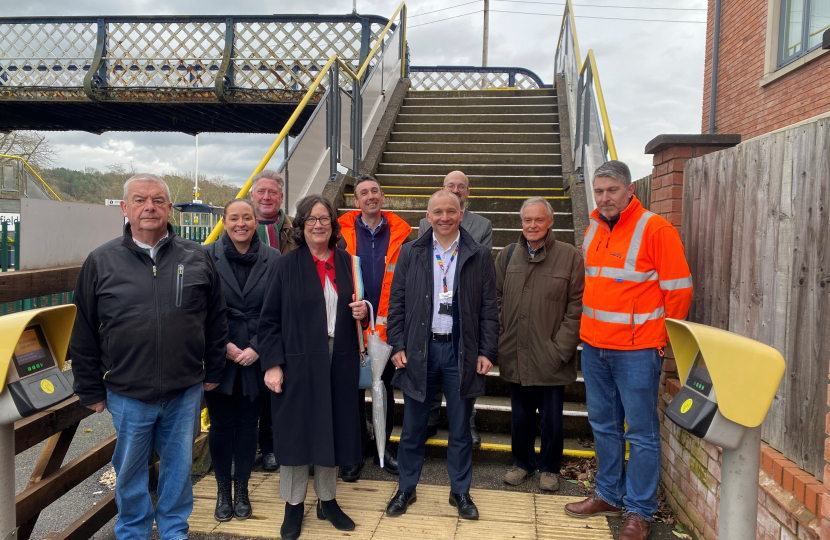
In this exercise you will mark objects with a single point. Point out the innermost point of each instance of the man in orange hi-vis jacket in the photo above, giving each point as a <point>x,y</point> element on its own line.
<point>636,275</point>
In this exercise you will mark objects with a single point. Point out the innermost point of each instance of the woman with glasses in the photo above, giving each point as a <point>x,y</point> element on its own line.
<point>308,340</point>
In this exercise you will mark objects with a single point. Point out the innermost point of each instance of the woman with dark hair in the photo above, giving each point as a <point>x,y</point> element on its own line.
<point>309,344</point>
<point>243,262</point>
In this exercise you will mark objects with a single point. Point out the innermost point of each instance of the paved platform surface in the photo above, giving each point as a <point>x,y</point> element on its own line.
<point>520,516</point>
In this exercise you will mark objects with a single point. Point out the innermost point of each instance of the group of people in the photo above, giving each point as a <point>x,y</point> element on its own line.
<point>265,323</point>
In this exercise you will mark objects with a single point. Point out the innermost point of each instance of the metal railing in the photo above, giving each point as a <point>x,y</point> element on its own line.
<point>592,142</point>
<point>315,155</point>
<point>229,56</point>
<point>19,179</point>
<point>473,78</point>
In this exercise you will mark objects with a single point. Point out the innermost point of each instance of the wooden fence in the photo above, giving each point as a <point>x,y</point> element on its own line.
<point>756,226</point>
<point>642,190</point>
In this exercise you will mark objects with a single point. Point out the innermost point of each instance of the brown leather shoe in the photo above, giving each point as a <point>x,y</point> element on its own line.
<point>592,506</point>
<point>635,528</point>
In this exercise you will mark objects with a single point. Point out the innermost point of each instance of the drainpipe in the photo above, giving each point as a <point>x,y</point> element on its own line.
<point>713,94</point>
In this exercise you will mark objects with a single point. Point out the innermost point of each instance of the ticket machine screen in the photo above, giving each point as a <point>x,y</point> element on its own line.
<point>699,378</point>
<point>32,354</point>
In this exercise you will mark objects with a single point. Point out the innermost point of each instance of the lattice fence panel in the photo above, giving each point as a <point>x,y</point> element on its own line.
<point>164,55</point>
<point>46,54</point>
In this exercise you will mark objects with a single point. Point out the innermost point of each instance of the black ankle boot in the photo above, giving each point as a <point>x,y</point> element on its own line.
<point>331,511</point>
<point>224,510</point>
<point>292,523</point>
<point>241,503</point>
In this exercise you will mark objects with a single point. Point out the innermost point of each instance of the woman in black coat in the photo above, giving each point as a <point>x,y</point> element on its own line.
<point>234,406</point>
<point>309,343</point>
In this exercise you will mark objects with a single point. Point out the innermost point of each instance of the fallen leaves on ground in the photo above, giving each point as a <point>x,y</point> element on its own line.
<point>108,478</point>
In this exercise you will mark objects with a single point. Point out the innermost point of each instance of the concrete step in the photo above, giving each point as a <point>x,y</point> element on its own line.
<point>493,415</point>
<point>478,118</point>
<point>495,448</point>
<point>538,126</point>
<point>500,220</point>
<point>496,386</point>
<point>474,147</point>
<point>469,138</point>
<point>482,100</point>
<point>551,92</point>
<point>492,108</point>
<point>474,203</point>
<point>476,181</point>
<point>470,169</point>
<point>479,191</point>
<point>418,158</point>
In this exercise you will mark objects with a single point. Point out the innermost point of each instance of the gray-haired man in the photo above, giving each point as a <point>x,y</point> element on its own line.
<point>275,226</point>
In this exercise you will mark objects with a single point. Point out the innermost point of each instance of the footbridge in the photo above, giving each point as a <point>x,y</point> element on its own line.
<point>342,98</point>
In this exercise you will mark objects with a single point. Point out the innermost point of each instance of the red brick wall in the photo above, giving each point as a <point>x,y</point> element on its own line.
<point>742,105</point>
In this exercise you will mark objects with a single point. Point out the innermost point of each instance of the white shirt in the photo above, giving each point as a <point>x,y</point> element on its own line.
<point>331,306</point>
<point>442,324</point>
<point>152,249</point>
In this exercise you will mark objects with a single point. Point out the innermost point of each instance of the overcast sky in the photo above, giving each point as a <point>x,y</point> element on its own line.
<point>651,72</point>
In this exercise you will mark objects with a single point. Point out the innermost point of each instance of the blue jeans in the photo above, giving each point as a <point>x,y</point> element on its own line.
<point>622,386</point>
<point>171,426</point>
<point>442,362</point>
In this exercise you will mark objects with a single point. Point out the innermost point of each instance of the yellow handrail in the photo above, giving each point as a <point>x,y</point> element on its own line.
<point>569,12</point>
<point>365,65</point>
<point>217,229</point>
<point>42,181</point>
<point>606,124</point>
<point>214,234</point>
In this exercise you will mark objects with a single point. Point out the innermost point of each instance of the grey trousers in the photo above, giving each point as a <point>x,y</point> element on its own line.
<point>294,483</point>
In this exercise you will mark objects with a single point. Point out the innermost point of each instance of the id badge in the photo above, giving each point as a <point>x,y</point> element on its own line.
<point>445,309</point>
<point>445,295</point>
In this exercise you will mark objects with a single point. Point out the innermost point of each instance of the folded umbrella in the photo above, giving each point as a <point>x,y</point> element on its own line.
<point>380,352</point>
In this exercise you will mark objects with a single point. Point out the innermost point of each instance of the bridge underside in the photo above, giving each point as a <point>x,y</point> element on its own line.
<point>149,111</point>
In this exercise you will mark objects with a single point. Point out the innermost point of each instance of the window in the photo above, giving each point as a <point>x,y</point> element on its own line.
<point>802,24</point>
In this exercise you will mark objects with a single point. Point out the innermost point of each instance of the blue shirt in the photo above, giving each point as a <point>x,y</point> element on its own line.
<point>372,247</point>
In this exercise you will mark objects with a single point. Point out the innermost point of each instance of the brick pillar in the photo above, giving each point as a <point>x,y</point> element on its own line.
<point>670,154</point>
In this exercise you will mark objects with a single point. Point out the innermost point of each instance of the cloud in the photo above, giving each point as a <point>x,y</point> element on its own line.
<point>651,73</point>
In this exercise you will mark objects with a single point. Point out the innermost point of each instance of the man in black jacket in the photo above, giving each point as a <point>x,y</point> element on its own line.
<point>149,335</point>
<point>443,323</point>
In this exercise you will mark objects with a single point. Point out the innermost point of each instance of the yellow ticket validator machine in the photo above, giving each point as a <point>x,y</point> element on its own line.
<point>33,347</point>
<point>729,382</point>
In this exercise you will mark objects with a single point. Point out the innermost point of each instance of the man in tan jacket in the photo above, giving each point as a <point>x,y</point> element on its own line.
<point>539,282</point>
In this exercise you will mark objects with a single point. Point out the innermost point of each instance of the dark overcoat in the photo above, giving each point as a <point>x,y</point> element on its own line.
<point>244,307</point>
<point>315,417</point>
<point>475,328</point>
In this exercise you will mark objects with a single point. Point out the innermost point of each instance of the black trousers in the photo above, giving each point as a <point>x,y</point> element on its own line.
<point>549,400</point>
<point>366,412</point>
<point>233,431</point>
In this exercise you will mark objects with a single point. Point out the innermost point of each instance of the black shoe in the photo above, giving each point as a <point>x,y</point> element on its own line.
<point>466,507</point>
<point>269,462</point>
<point>390,462</point>
<point>476,437</point>
<point>431,431</point>
<point>351,473</point>
<point>241,503</point>
<point>397,506</point>
<point>292,523</point>
<point>224,508</point>
<point>331,511</point>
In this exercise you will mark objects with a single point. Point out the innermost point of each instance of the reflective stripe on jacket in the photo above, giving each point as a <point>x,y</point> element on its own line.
<point>399,231</point>
<point>635,277</point>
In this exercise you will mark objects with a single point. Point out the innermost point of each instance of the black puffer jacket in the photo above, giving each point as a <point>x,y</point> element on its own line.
<point>147,330</point>
<point>475,314</point>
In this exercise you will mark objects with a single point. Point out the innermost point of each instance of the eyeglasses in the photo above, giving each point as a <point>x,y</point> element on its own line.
<point>311,220</point>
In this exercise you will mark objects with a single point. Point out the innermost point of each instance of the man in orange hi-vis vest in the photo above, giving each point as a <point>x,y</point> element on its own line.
<point>636,275</point>
<point>376,236</point>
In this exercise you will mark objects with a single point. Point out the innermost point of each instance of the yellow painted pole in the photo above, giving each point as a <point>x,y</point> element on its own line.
<point>33,172</point>
<point>606,123</point>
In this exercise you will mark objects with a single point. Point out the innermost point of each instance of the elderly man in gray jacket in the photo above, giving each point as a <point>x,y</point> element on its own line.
<point>481,229</point>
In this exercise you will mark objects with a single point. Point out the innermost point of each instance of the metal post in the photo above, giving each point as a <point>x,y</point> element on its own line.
<point>8,521</point>
<point>285,144</point>
<point>486,40</point>
<point>334,133</point>
<point>196,186</point>
<point>738,512</point>
<point>17,245</point>
<point>4,247</point>
<point>357,126</point>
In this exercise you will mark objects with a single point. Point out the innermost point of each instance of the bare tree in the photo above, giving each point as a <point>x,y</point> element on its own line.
<point>31,146</point>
